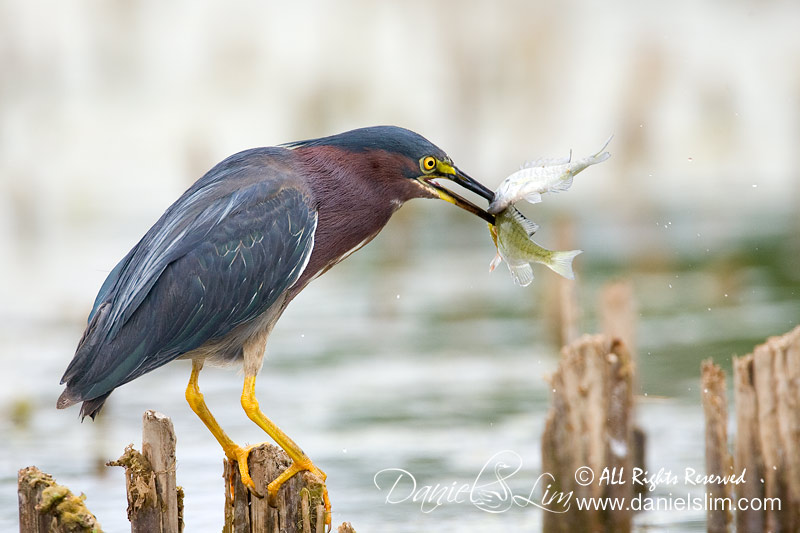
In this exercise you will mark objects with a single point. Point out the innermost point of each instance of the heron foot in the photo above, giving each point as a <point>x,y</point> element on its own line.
<point>295,468</point>
<point>240,455</point>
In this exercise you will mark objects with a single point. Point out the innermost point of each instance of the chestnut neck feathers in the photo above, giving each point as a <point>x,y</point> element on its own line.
<point>355,195</point>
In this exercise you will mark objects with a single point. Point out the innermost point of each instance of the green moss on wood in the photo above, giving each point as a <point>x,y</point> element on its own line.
<point>67,512</point>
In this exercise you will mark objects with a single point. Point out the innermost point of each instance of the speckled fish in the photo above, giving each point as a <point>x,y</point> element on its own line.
<point>541,176</point>
<point>512,234</point>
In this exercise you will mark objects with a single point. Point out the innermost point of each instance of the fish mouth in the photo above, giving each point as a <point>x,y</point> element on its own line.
<point>461,178</point>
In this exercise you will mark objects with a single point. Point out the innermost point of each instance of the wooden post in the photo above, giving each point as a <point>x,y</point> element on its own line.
<point>154,501</point>
<point>767,393</point>
<point>299,507</point>
<point>618,313</point>
<point>719,462</point>
<point>566,298</point>
<point>618,319</point>
<point>46,507</point>
<point>158,447</point>
<point>747,448</point>
<point>562,312</point>
<point>588,431</point>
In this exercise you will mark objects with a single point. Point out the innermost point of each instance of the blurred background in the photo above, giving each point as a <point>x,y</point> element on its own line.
<point>410,354</point>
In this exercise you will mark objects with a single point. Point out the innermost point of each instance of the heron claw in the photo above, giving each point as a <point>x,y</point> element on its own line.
<point>294,468</point>
<point>239,454</point>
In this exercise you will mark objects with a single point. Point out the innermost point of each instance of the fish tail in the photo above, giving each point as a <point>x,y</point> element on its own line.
<point>603,149</point>
<point>601,155</point>
<point>561,263</point>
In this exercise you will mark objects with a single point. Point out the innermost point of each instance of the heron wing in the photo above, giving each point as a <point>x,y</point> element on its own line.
<point>219,257</point>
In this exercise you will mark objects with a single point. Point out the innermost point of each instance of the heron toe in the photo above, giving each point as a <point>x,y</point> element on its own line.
<point>240,455</point>
<point>293,469</point>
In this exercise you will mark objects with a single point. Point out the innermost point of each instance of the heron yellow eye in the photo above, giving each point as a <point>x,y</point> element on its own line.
<point>428,164</point>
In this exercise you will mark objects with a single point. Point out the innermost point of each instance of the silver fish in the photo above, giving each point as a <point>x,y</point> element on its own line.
<point>541,176</point>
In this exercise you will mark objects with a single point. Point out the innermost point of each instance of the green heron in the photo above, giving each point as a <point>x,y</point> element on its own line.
<point>209,280</point>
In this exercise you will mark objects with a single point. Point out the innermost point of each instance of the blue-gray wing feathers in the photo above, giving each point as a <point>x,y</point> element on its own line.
<point>219,257</point>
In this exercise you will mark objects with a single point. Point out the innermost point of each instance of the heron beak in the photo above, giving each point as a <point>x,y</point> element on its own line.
<point>452,173</point>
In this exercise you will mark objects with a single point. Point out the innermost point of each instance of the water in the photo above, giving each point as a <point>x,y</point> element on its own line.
<point>411,356</point>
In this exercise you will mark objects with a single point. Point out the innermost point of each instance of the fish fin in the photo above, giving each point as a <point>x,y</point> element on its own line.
<point>521,272</point>
<point>561,263</point>
<point>562,185</point>
<point>533,198</point>
<point>527,224</point>
<point>496,261</point>
<point>547,161</point>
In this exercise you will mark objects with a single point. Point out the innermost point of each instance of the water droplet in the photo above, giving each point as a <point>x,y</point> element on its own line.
<point>755,185</point>
<point>398,296</point>
<point>670,285</point>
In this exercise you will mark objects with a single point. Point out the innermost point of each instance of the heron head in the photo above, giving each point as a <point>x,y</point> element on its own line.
<point>406,160</point>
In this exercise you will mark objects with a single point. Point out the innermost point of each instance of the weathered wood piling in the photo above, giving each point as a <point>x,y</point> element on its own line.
<point>589,431</point>
<point>155,502</point>
<point>299,507</point>
<point>47,507</point>
<point>767,398</point>
<point>764,474</point>
<point>719,462</point>
<point>618,315</point>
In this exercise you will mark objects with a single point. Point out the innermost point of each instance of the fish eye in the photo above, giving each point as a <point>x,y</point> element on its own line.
<point>427,164</point>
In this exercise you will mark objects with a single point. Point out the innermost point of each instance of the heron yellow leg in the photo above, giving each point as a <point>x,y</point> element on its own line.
<point>233,451</point>
<point>300,460</point>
